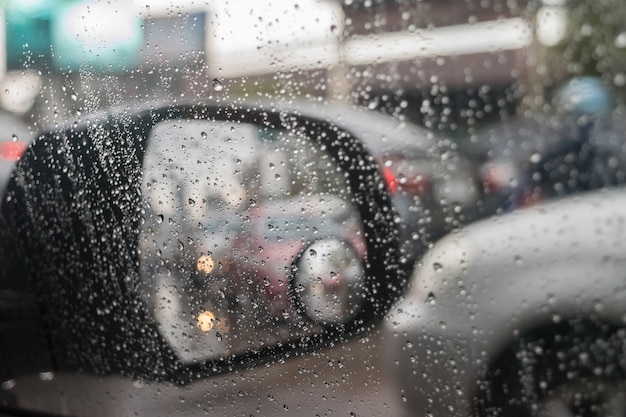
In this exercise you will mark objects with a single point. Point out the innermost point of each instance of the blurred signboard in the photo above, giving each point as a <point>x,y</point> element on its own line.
<point>247,37</point>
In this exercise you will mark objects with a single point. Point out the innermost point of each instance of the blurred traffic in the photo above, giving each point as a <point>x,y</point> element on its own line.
<point>576,145</point>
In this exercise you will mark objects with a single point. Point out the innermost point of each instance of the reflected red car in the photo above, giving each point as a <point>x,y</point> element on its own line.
<point>264,258</point>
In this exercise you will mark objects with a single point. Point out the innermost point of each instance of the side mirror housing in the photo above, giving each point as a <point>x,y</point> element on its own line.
<point>179,242</point>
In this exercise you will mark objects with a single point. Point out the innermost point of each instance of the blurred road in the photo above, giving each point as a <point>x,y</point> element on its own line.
<point>347,380</point>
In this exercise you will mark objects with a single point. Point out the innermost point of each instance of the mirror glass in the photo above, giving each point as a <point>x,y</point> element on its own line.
<point>232,211</point>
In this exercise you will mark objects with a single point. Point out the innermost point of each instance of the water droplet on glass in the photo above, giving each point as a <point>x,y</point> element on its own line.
<point>252,203</point>
<point>192,202</point>
<point>313,253</point>
<point>437,267</point>
<point>217,85</point>
<point>430,299</point>
<point>535,158</point>
<point>7,385</point>
<point>203,135</point>
<point>181,245</point>
<point>620,40</point>
<point>46,376</point>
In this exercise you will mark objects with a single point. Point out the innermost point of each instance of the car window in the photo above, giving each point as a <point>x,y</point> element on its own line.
<point>244,230</point>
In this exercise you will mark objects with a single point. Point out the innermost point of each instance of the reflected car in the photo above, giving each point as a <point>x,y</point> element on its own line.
<point>519,314</point>
<point>280,234</point>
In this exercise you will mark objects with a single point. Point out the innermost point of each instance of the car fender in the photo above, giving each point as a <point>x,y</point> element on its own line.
<point>481,288</point>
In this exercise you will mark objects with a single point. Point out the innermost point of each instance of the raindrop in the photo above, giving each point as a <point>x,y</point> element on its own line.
<point>7,385</point>
<point>46,376</point>
<point>218,335</point>
<point>620,40</point>
<point>437,267</point>
<point>252,203</point>
<point>313,253</point>
<point>535,158</point>
<point>430,299</point>
<point>192,202</point>
<point>217,85</point>
<point>181,245</point>
<point>203,135</point>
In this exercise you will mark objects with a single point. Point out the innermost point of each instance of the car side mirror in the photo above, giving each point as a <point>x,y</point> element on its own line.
<point>179,242</point>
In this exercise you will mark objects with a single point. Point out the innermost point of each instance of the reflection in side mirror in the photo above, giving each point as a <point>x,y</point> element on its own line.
<point>181,242</point>
<point>329,281</point>
<point>229,207</point>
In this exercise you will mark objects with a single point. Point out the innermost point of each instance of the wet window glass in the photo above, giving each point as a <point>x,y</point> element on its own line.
<point>318,207</point>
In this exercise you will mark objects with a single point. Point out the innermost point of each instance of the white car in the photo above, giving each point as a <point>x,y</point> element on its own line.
<point>520,314</point>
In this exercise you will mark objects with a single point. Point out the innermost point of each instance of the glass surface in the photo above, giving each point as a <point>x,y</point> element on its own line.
<point>498,127</point>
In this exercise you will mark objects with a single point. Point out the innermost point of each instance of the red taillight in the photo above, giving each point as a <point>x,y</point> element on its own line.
<point>492,182</point>
<point>12,151</point>
<point>390,179</point>
<point>498,176</point>
<point>413,184</point>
